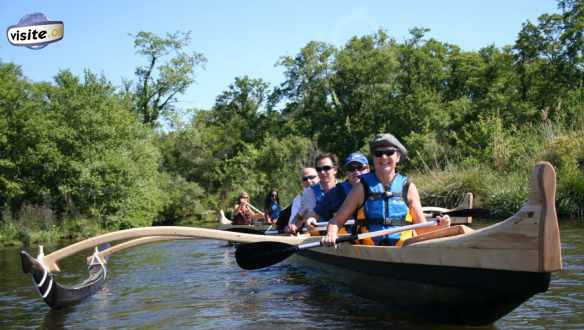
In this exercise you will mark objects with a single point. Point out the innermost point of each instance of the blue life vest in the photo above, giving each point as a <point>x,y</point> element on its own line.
<point>383,208</point>
<point>331,201</point>
<point>318,192</point>
<point>346,186</point>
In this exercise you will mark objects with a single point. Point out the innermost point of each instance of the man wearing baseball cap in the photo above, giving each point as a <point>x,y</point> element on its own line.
<point>384,199</point>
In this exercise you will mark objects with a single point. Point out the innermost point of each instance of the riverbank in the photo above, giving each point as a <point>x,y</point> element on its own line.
<point>503,195</point>
<point>34,230</point>
<point>31,231</point>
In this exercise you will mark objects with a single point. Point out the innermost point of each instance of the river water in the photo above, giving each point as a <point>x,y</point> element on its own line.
<point>197,285</point>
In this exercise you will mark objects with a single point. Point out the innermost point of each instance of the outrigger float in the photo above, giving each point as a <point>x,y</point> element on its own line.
<point>454,275</point>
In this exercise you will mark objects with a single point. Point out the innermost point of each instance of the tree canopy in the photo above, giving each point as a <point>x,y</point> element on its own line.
<point>79,146</point>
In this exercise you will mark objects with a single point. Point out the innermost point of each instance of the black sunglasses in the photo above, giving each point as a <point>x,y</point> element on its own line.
<point>388,152</point>
<point>308,177</point>
<point>354,168</point>
<point>325,168</point>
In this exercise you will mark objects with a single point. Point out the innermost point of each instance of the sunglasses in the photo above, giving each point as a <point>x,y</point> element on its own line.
<point>388,152</point>
<point>325,168</point>
<point>354,168</point>
<point>308,177</point>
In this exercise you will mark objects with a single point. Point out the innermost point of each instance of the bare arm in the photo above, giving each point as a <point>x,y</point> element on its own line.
<point>351,203</point>
<point>418,214</point>
<point>311,218</point>
<point>308,202</point>
<point>256,215</point>
<point>236,209</point>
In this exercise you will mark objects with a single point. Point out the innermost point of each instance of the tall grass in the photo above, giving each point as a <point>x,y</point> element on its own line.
<point>38,225</point>
<point>498,177</point>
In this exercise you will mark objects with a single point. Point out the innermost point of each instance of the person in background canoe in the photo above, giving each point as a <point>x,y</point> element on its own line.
<point>272,207</point>
<point>356,164</point>
<point>242,213</point>
<point>308,177</point>
<point>384,199</point>
<point>326,168</point>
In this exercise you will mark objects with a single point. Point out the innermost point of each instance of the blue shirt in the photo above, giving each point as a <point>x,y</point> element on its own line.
<point>331,202</point>
<point>275,210</point>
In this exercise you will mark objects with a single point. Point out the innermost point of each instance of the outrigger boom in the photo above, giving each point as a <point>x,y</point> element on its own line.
<point>50,261</point>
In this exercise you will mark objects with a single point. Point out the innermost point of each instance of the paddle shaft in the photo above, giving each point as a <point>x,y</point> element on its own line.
<point>383,232</point>
<point>264,254</point>
<point>476,212</point>
<point>254,208</point>
<point>325,223</point>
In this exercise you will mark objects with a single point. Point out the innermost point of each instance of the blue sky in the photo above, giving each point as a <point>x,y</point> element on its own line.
<point>247,37</point>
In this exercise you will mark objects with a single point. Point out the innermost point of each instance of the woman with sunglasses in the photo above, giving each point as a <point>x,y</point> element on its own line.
<point>385,199</point>
<point>242,213</point>
<point>326,168</point>
<point>272,207</point>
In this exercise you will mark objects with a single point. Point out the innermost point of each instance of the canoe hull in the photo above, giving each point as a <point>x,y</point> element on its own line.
<point>446,294</point>
<point>59,296</point>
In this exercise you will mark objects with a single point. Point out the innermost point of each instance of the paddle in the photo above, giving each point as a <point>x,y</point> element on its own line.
<point>263,254</point>
<point>245,230</point>
<point>255,209</point>
<point>477,212</point>
<point>481,213</point>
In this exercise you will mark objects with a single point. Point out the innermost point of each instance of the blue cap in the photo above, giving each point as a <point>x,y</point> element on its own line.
<point>356,157</point>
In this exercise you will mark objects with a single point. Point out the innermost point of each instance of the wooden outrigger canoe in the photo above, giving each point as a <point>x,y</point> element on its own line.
<point>456,275</point>
<point>260,228</point>
<point>459,275</point>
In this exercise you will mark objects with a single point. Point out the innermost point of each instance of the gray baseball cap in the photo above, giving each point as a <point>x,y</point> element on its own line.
<point>385,141</point>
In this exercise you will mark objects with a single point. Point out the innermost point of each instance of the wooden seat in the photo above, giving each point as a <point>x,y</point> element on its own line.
<point>446,232</point>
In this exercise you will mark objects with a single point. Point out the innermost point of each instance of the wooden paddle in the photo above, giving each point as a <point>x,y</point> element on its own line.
<point>476,212</point>
<point>263,254</point>
<point>247,230</point>
<point>255,209</point>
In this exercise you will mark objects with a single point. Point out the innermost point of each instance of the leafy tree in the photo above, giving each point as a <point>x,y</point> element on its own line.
<point>549,59</point>
<point>13,94</point>
<point>237,109</point>
<point>158,83</point>
<point>307,89</point>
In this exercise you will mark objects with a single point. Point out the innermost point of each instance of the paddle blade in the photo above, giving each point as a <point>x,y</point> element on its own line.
<point>480,213</point>
<point>262,254</point>
<point>245,230</point>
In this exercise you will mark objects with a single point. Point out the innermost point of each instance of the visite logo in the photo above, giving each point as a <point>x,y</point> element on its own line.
<point>35,31</point>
